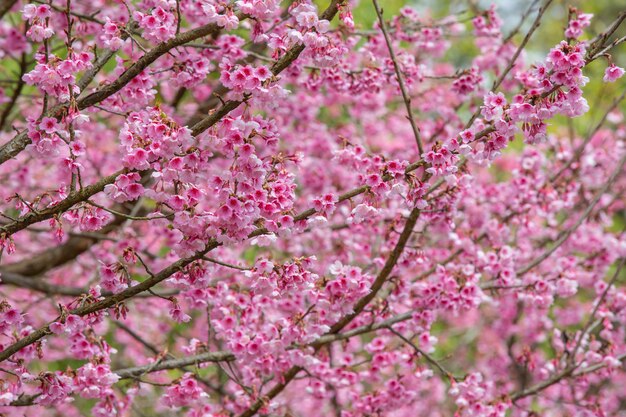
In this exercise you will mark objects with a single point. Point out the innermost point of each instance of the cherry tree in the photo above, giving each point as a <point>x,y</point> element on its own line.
<point>214,208</point>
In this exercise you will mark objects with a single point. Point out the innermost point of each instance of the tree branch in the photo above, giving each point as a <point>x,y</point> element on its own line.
<point>581,219</point>
<point>405,95</point>
<point>5,6</point>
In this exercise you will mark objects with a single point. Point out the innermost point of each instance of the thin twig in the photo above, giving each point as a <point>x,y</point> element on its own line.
<point>580,220</point>
<point>396,66</point>
<point>579,150</point>
<point>591,318</point>
<point>517,53</point>
<point>443,371</point>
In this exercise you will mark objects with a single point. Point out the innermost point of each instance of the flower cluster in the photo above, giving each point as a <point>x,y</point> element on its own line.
<point>38,17</point>
<point>57,77</point>
<point>185,392</point>
<point>160,24</point>
<point>472,397</point>
<point>149,136</point>
<point>613,73</point>
<point>577,24</point>
<point>244,78</point>
<point>111,37</point>
<point>126,187</point>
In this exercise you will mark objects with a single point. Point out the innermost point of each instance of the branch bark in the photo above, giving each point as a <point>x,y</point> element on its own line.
<point>5,6</point>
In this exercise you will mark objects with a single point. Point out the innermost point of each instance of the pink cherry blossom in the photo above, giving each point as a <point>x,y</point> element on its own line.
<point>612,73</point>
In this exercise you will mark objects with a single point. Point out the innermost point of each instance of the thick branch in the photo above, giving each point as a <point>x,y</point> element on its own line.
<point>391,262</point>
<point>176,363</point>
<point>109,301</point>
<point>62,206</point>
<point>10,278</point>
<point>56,256</point>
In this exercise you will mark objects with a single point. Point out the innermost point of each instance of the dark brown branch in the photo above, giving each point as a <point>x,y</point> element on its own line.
<point>176,363</point>
<point>62,206</point>
<point>521,22</point>
<point>522,45</point>
<point>290,56</point>
<point>223,356</point>
<point>93,189</point>
<point>10,278</point>
<point>4,117</point>
<point>19,142</point>
<point>109,301</point>
<point>381,278</point>
<point>5,6</point>
<point>56,256</point>
<point>137,371</point>
<point>147,59</point>
<point>599,42</point>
